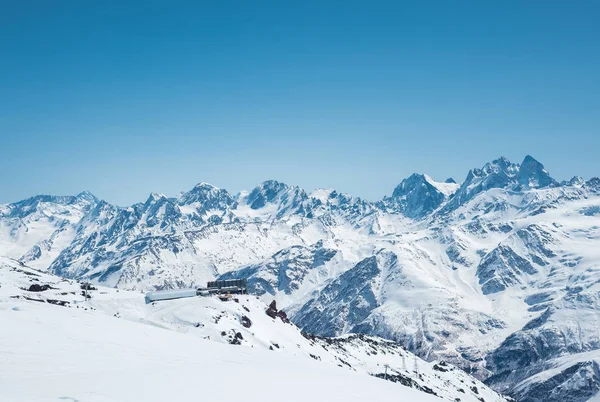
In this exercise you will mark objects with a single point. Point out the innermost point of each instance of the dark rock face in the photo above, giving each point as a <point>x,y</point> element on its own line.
<point>500,173</point>
<point>577,383</point>
<point>406,381</point>
<point>159,211</point>
<point>38,288</point>
<point>265,193</point>
<point>348,300</point>
<point>593,184</point>
<point>208,197</point>
<point>562,329</point>
<point>415,197</point>
<point>532,174</point>
<point>56,302</point>
<point>590,211</point>
<point>502,268</point>
<point>274,313</point>
<point>233,337</point>
<point>288,200</point>
<point>285,270</point>
<point>246,322</point>
<point>272,310</point>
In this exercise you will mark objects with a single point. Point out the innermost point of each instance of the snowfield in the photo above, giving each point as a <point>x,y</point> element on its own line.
<point>51,354</point>
<point>108,344</point>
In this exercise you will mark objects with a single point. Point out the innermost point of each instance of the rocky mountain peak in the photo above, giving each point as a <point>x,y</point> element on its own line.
<point>576,181</point>
<point>207,196</point>
<point>264,193</point>
<point>416,196</point>
<point>87,196</point>
<point>532,174</point>
<point>500,173</point>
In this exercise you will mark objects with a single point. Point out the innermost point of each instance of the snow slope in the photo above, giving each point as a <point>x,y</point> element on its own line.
<point>70,346</point>
<point>65,354</point>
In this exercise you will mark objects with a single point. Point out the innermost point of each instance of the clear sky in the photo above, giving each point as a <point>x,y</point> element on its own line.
<point>155,96</point>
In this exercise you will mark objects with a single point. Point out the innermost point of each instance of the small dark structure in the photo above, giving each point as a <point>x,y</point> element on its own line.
<point>231,286</point>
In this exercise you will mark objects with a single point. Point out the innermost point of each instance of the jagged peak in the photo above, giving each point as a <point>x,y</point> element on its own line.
<point>529,159</point>
<point>412,182</point>
<point>207,195</point>
<point>35,201</point>
<point>502,161</point>
<point>450,180</point>
<point>576,181</point>
<point>418,179</point>
<point>154,197</point>
<point>204,186</point>
<point>323,194</point>
<point>533,174</point>
<point>418,195</point>
<point>271,190</point>
<point>274,185</point>
<point>594,182</point>
<point>502,164</point>
<point>86,195</point>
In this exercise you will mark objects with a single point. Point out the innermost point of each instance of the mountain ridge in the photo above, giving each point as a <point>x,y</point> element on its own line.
<point>468,268</point>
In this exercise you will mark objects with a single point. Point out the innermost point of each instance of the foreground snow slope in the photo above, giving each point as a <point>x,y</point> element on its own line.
<point>40,298</point>
<point>52,353</point>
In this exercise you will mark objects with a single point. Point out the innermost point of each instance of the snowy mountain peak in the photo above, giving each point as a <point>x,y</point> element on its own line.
<point>205,196</point>
<point>418,195</point>
<point>499,173</point>
<point>279,197</point>
<point>87,196</point>
<point>206,186</point>
<point>532,174</point>
<point>264,193</point>
<point>49,205</point>
<point>500,164</point>
<point>155,197</point>
<point>323,194</point>
<point>594,183</point>
<point>576,181</point>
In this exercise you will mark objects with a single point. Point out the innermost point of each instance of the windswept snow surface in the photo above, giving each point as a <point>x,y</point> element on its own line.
<point>54,354</point>
<point>55,343</point>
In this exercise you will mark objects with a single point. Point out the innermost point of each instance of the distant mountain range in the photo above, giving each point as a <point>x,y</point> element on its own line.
<point>499,274</point>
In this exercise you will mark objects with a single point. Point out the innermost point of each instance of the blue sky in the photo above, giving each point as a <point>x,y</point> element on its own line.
<point>124,100</point>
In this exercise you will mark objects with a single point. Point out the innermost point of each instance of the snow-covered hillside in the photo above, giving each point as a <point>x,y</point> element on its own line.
<point>70,355</point>
<point>70,340</point>
<point>497,275</point>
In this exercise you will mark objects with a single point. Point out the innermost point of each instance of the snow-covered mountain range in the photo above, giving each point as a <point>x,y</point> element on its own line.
<point>498,275</point>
